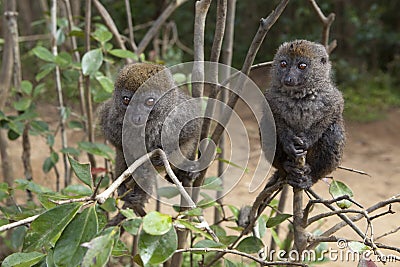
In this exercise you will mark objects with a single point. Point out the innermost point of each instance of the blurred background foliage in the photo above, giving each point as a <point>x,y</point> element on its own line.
<point>366,60</point>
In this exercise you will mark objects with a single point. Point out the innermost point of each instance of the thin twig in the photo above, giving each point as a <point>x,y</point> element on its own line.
<point>327,23</point>
<point>88,93</point>
<point>335,212</point>
<point>388,233</point>
<point>64,142</point>
<point>198,45</point>
<point>350,222</point>
<point>157,24</point>
<point>215,54</point>
<point>77,58</point>
<point>130,26</point>
<point>389,211</point>
<point>312,202</point>
<point>19,223</point>
<point>354,170</point>
<point>226,58</point>
<point>342,216</point>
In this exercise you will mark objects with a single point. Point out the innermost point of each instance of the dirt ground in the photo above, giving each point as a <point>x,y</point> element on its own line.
<point>371,147</point>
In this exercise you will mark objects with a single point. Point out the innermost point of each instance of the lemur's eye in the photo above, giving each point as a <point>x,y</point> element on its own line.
<point>126,100</point>
<point>302,66</point>
<point>283,64</point>
<point>150,101</point>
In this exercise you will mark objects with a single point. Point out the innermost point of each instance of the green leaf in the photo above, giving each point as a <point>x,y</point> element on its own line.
<point>44,199</point>
<point>50,140</point>
<point>23,104</point>
<point>70,150</point>
<point>26,87</point>
<point>109,205</point>
<point>97,149</point>
<point>213,183</point>
<point>21,259</point>
<point>123,53</point>
<point>155,223</point>
<point>128,213</point>
<point>63,60</point>
<point>179,78</point>
<point>205,243</point>
<point>106,83</point>
<point>100,249</point>
<point>75,124</point>
<point>102,35</point>
<point>233,164</point>
<point>192,227</point>
<point>91,62</point>
<point>235,211</point>
<point>77,190</point>
<point>17,237</point>
<point>168,192</point>
<point>60,37</point>
<point>50,162</point>
<point>132,226</point>
<point>250,245</point>
<point>12,135</point>
<point>43,53</point>
<point>40,126</point>
<point>274,221</point>
<point>120,249</point>
<point>193,212</point>
<point>39,89</point>
<point>227,240</point>
<point>49,261</point>
<point>338,189</point>
<point>82,171</point>
<point>23,184</point>
<point>101,96</point>
<point>44,71</point>
<point>207,201</point>
<point>48,227</point>
<point>228,263</point>
<point>157,249</point>
<point>262,222</point>
<point>68,250</point>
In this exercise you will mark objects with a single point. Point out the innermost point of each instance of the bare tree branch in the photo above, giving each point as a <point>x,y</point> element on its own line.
<point>198,44</point>
<point>226,58</point>
<point>353,170</point>
<point>77,58</point>
<point>215,54</point>
<point>130,26</point>
<point>63,132</point>
<point>327,23</point>
<point>157,24</point>
<point>18,223</point>
<point>111,25</point>
<point>5,83</point>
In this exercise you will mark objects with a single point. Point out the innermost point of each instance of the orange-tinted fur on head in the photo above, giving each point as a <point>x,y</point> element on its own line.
<point>301,48</point>
<point>132,76</point>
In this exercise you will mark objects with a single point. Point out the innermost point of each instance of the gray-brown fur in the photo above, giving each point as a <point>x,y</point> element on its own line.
<point>307,108</point>
<point>112,113</point>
